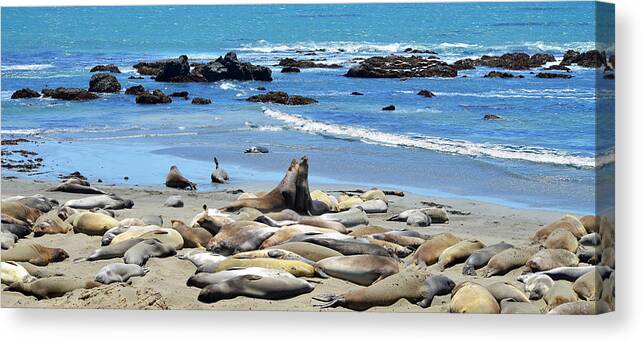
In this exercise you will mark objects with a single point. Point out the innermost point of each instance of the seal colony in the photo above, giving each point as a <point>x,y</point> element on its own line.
<point>356,250</point>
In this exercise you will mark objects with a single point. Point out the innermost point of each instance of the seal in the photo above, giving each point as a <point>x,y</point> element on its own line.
<point>175,179</point>
<point>400,238</point>
<point>201,280</point>
<point>142,251</point>
<point>329,202</point>
<point>211,219</point>
<point>219,175</point>
<point>537,286</point>
<point>75,188</point>
<point>561,239</point>
<point>568,222</point>
<point>346,202</point>
<point>392,248</point>
<point>166,236</point>
<point>295,267</point>
<point>20,211</point>
<point>592,239</point>
<point>589,286</point>
<point>510,306</point>
<point>416,287</point>
<point>469,297</point>
<point>608,291</point>
<point>288,232</point>
<point>561,292</point>
<point>51,287</point>
<point>509,259</point>
<point>34,253</point>
<point>573,273</point>
<point>350,218</point>
<point>240,236</point>
<point>91,223</point>
<point>307,250</point>
<point>203,260</point>
<point>275,253</point>
<point>13,272</point>
<point>107,202</point>
<point>255,286</point>
<point>367,230</point>
<point>114,250</point>
<point>591,223</point>
<point>581,308</point>
<point>428,253</point>
<point>39,202</point>
<point>375,206</point>
<point>16,227</point>
<point>457,253</point>
<point>436,215</point>
<point>347,247</point>
<point>480,257</point>
<point>111,233</point>
<point>7,239</point>
<point>192,237</point>
<point>118,273</point>
<point>547,259</point>
<point>504,290</point>
<point>50,223</point>
<point>359,269</point>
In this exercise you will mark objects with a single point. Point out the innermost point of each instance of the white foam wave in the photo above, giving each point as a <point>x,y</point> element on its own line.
<point>26,67</point>
<point>461,147</point>
<point>228,86</point>
<point>138,136</point>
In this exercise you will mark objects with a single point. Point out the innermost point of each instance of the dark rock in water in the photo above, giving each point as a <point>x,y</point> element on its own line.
<point>135,77</point>
<point>465,64</point>
<point>426,93</point>
<point>261,88</point>
<point>69,94</point>
<point>389,108</point>
<point>179,94</point>
<point>541,59</point>
<point>401,67</point>
<point>153,98</point>
<point>552,75</point>
<point>497,74</point>
<point>411,50</point>
<point>201,101</point>
<point>290,69</point>
<point>104,83</point>
<point>106,68</point>
<point>291,62</point>
<point>609,76</point>
<point>25,93</point>
<point>588,59</point>
<point>149,68</point>
<point>282,98</point>
<point>612,61</point>
<point>558,67</point>
<point>176,70</point>
<point>491,117</point>
<point>135,90</point>
<point>257,149</point>
<point>356,93</point>
<point>230,68</point>
<point>511,61</point>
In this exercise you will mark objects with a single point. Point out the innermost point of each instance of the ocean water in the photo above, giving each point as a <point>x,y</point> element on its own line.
<point>541,155</point>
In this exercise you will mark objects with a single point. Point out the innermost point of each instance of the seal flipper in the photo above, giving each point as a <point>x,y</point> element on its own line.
<point>330,301</point>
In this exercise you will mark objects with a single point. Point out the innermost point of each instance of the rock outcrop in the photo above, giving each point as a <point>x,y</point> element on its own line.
<point>401,67</point>
<point>552,75</point>
<point>75,94</point>
<point>104,83</point>
<point>201,101</point>
<point>153,98</point>
<point>24,93</point>
<point>588,59</point>
<point>105,68</point>
<point>288,69</point>
<point>498,74</point>
<point>510,61</point>
<point>282,98</point>
<point>135,90</point>
<point>291,62</point>
<point>426,93</point>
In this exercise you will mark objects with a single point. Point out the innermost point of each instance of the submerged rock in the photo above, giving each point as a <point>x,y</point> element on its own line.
<point>411,50</point>
<point>135,90</point>
<point>290,69</point>
<point>497,74</point>
<point>401,67</point>
<point>182,94</point>
<point>291,62</point>
<point>105,68</point>
<point>153,98</point>
<point>76,94</point>
<point>201,101</point>
<point>552,75</point>
<point>558,67</point>
<point>282,98</point>
<point>25,93</point>
<point>104,83</point>
<point>356,93</point>
<point>389,108</point>
<point>426,93</point>
<point>492,117</point>
<point>230,68</point>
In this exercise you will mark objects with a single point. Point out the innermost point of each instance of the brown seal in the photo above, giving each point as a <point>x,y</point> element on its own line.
<point>20,211</point>
<point>428,253</point>
<point>508,260</point>
<point>359,269</point>
<point>469,297</point>
<point>591,223</point>
<point>51,287</point>
<point>308,250</point>
<point>34,253</point>
<point>458,252</point>
<point>548,259</point>
<point>175,179</point>
<point>568,222</point>
<point>192,237</point>
<point>561,239</point>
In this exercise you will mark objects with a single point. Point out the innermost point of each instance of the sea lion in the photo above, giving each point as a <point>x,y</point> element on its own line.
<point>509,259</point>
<point>581,308</point>
<point>537,286</point>
<point>308,250</point>
<point>114,250</point>
<point>547,259</point>
<point>111,233</point>
<point>287,233</point>
<point>428,253</point>
<point>297,268</point>
<point>480,257</point>
<point>16,227</point>
<point>34,253</point>
<point>75,188</point>
<point>202,280</point>
<point>591,239</point>
<point>240,236</point>
<point>375,206</point>
<point>13,272</point>
<point>51,287</point>
<point>107,202</point>
<point>93,223</point>
<point>219,175</point>
<point>511,306</point>
<point>210,219</point>
<point>116,273</point>
<point>589,286</point>
<point>19,211</point>
<point>457,253</point>
<point>572,273</point>
<point>561,239</point>
<point>166,236</point>
<point>349,247</point>
<point>175,179</point>
<point>591,223</point>
<point>7,240</point>
<point>142,251</point>
<point>192,237</point>
<point>561,292</point>
<point>502,290</point>
<point>568,222</point>
<point>416,287</point>
<point>469,297</point>
<point>275,253</point>
<point>367,230</point>
<point>359,269</point>
<point>350,218</point>
<point>255,286</point>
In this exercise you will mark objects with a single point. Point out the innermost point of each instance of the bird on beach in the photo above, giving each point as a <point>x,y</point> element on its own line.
<point>219,175</point>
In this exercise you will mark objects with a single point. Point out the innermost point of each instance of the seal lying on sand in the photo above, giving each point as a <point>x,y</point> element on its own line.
<point>308,250</point>
<point>16,227</point>
<point>34,253</point>
<point>175,179</point>
<point>359,269</point>
<point>240,236</point>
<point>203,260</point>
<point>547,259</point>
<point>581,308</point>
<point>74,187</point>
<point>275,253</point>
<point>350,218</point>
<point>193,237</point>
<point>428,253</point>
<point>119,273</point>
<point>141,252</point>
<point>93,223</point>
<point>20,211</point>
<point>13,272</point>
<point>219,175</point>
<point>255,286</point>
<point>110,201</point>
<point>348,247</point>
<point>201,280</point>
<point>469,297</point>
<point>297,268</point>
<point>480,257</point>
<point>509,259</point>
<point>51,287</point>
<point>114,250</point>
<point>457,253</point>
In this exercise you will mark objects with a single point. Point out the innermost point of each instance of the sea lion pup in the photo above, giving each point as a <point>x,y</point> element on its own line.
<point>255,286</point>
<point>175,179</point>
<point>568,222</point>
<point>509,259</point>
<point>359,269</point>
<point>457,253</point>
<point>295,267</point>
<point>240,236</point>
<point>350,218</point>
<point>428,252</point>
<point>561,239</point>
<point>537,286</point>
<point>201,280</point>
<point>275,253</point>
<point>118,273</point>
<point>416,287</point>
<point>307,250</point>
<point>107,202</point>
<point>203,260</point>
<point>288,232</point>
<point>589,286</point>
<point>19,211</point>
<point>142,251</point>
<point>547,259</point>
<point>511,306</point>
<point>114,250</point>
<point>74,187</point>
<point>591,239</point>
<point>480,257</point>
<point>13,272</point>
<point>210,219</point>
<point>367,230</point>
<point>14,226</point>
<point>502,290</point>
<point>581,308</point>
<point>193,237</point>
<point>349,247</point>
<point>93,223</point>
<point>34,253</point>
<point>591,223</point>
<point>469,297</point>
<point>51,287</point>
<point>219,175</point>
<point>561,292</point>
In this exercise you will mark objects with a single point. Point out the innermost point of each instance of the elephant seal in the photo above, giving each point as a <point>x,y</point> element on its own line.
<point>428,253</point>
<point>547,259</point>
<point>114,250</point>
<point>175,179</point>
<point>346,202</point>
<point>7,240</point>
<point>195,237</point>
<point>457,253</point>
<point>19,211</point>
<point>392,248</point>
<point>537,286</point>
<point>219,175</point>
<point>400,238</point>
<point>480,257</point>
<point>34,253</point>
<point>308,250</point>
<point>588,254</point>
<point>375,206</point>
<point>111,233</point>
<point>16,227</point>
<point>203,260</point>
<point>51,287</point>
<point>275,253</point>
<point>561,239</point>
<point>255,286</point>
<point>320,197</point>
<point>107,202</point>
<point>13,272</point>
<point>561,292</point>
<point>153,220</point>
<point>511,306</point>
<point>367,230</point>
<point>211,219</point>
<point>509,259</point>
<point>581,308</point>
<point>142,251</point>
<point>502,290</point>
<point>374,194</point>
<point>469,297</point>
<point>166,236</point>
<point>38,202</point>
<point>50,223</point>
<point>174,202</point>
<point>591,239</point>
<point>240,236</point>
<point>93,223</point>
<point>568,222</point>
<point>589,286</point>
<point>75,188</point>
<point>118,273</point>
<point>435,215</point>
<point>350,218</point>
<point>416,287</point>
<point>572,273</point>
<point>359,269</point>
<point>591,223</point>
<point>202,280</point>
<point>287,233</point>
<point>347,247</point>
<point>295,267</point>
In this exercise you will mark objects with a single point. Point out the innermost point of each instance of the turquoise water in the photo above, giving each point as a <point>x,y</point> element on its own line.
<point>541,155</point>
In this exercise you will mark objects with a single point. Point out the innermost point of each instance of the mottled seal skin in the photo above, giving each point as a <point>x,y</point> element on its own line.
<point>589,286</point>
<point>469,297</point>
<point>287,233</point>
<point>51,287</point>
<point>428,253</point>
<point>13,272</point>
<point>588,254</point>
<point>509,259</point>
<point>141,252</point>
<point>20,211</point>
<point>374,206</point>
<point>211,220</point>
<point>573,273</point>
<point>561,239</point>
<point>107,202</point>
<point>537,286</point>
<point>410,284</point>
<point>193,237</point>
<point>511,306</point>
<point>115,273</point>
<point>457,253</point>
<point>295,267</point>
<point>561,292</point>
<point>392,248</point>
<point>34,253</point>
<point>203,260</point>
<point>202,280</point>
<point>116,250</point>
<point>50,223</point>
<point>547,259</point>
<point>240,236</point>
<point>308,250</point>
<point>175,179</point>
<point>480,257</point>
<point>581,308</point>
<point>359,269</point>
<point>347,247</point>
<point>568,222</point>
<point>350,218</point>
<point>504,290</point>
<point>255,286</point>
